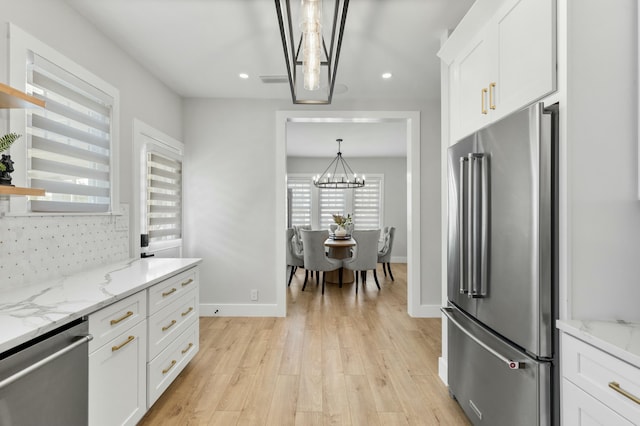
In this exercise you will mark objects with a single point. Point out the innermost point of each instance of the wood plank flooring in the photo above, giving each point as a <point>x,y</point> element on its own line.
<point>335,359</point>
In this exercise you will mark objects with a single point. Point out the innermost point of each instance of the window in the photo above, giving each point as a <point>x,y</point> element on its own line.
<point>164,198</point>
<point>70,145</point>
<point>70,141</point>
<point>309,205</point>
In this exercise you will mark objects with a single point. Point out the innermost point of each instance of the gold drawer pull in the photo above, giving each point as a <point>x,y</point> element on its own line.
<point>121,345</point>
<point>187,282</point>
<point>483,100</point>
<point>185,350</point>
<point>184,314</point>
<point>122,318</point>
<point>166,327</point>
<point>616,387</point>
<point>166,370</point>
<point>165,294</point>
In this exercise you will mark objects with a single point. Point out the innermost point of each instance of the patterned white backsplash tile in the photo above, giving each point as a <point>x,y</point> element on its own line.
<point>34,248</point>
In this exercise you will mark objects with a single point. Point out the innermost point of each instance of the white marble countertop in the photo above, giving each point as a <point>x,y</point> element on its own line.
<point>36,309</point>
<point>620,339</point>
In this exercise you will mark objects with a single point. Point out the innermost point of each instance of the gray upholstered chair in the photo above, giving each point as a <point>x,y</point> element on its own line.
<point>384,254</point>
<point>365,255</point>
<point>295,259</point>
<point>315,258</point>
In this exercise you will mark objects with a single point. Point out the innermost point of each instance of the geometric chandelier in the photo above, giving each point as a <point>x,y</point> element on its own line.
<point>338,174</point>
<point>309,63</point>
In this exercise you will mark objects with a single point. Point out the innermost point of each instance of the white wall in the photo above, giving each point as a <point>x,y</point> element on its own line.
<point>602,166</point>
<point>229,194</point>
<point>395,188</point>
<point>141,94</point>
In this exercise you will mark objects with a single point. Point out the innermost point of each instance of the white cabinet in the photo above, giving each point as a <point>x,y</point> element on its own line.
<point>117,362</point>
<point>508,64</point>
<point>173,330</point>
<point>597,388</point>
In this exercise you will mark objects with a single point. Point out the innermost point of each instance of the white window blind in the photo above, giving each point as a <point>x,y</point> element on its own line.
<point>331,201</point>
<point>367,204</point>
<point>70,141</point>
<point>164,198</point>
<point>300,201</point>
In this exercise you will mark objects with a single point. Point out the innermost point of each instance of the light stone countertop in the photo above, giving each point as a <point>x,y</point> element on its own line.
<point>36,309</point>
<point>619,338</point>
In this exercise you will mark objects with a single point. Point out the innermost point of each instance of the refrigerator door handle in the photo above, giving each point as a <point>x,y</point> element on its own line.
<point>463,228</point>
<point>478,182</point>
<point>511,364</point>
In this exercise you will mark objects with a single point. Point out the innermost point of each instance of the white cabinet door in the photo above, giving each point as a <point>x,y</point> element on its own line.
<point>526,54</point>
<point>581,409</point>
<point>117,379</point>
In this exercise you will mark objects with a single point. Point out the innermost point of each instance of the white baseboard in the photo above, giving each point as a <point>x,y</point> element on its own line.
<point>237,310</point>
<point>427,311</point>
<point>443,370</point>
<point>398,259</point>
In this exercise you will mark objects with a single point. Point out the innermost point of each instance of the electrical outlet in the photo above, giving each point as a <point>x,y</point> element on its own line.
<point>254,294</point>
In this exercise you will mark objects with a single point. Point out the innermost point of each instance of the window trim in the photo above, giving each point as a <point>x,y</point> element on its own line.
<point>20,44</point>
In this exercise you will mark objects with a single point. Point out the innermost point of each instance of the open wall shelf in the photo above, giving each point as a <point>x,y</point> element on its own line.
<point>13,98</point>
<point>17,190</point>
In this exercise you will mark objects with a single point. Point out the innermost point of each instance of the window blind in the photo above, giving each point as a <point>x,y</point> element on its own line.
<point>331,201</point>
<point>70,141</point>
<point>164,198</point>
<point>300,202</point>
<point>367,203</point>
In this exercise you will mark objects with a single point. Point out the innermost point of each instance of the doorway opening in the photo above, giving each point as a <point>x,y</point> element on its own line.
<point>411,119</point>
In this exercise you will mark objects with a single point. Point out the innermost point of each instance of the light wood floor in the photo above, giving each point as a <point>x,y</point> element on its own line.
<point>335,359</point>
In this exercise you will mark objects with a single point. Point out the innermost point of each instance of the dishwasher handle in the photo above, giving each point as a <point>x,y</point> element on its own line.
<point>20,374</point>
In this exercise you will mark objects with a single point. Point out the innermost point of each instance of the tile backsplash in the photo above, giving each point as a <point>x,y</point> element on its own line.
<point>36,248</point>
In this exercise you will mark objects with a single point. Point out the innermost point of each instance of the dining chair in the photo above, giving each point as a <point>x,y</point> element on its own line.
<point>315,257</point>
<point>384,254</point>
<point>365,255</point>
<point>295,259</point>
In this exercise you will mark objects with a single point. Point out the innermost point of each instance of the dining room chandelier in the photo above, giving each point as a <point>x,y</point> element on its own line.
<point>307,55</point>
<point>338,174</point>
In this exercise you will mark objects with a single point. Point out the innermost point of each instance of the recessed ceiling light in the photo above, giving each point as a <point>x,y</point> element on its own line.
<point>387,75</point>
<point>243,75</point>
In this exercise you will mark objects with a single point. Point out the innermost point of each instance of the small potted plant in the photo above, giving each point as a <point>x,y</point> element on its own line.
<point>342,221</point>
<point>6,164</point>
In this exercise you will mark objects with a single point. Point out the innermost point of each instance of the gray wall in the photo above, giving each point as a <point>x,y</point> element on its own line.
<point>229,191</point>
<point>395,188</point>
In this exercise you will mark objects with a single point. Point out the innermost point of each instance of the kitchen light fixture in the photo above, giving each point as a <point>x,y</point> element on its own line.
<point>338,174</point>
<point>309,56</point>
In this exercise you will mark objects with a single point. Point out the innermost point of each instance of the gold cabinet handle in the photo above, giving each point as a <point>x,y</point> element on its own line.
<point>483,100</point>
<point>166,370</point>
<point>185,313</point>
<point>122,318</point>
<point>616,387</point>
<point>122,345</point>
<point>167,293</point>
<point>492,89</point>
<point>187,282</point>
<point>185,350</point>
<point>166,327</point>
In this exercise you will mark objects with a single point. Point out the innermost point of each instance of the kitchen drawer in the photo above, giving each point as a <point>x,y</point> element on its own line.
<point>109,322</point>
<point>118,379</point>
<point>169,363</point>
<point>593,370</point>
<point>581,409</point>
<point>166,324</point>
<point>165,292</point>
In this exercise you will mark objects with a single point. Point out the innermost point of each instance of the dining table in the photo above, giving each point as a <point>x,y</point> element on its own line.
<point>339,248</point>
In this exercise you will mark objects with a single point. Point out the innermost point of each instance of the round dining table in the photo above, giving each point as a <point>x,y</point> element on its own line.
<point>339,249</point>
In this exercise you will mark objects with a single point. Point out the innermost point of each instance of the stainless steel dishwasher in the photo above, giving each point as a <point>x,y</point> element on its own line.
<point>45,381</point>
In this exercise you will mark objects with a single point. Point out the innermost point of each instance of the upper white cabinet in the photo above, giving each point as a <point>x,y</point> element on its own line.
<point>501,65</point>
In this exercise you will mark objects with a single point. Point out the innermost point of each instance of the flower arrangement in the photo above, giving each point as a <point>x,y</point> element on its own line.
<point>6,165</point>
<point>342,220</point>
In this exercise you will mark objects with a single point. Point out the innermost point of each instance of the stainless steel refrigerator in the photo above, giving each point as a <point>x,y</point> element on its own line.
<point>502,278</point>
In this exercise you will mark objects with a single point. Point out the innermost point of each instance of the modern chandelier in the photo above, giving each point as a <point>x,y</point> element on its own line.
<point>308,57</point>
<point>338,174</point>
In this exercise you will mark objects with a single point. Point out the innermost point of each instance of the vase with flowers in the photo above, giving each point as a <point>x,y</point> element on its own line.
<point>342,222</point>
<point>6,164</point>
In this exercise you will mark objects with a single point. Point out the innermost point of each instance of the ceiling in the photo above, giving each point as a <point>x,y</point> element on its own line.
<point>199,47</point>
